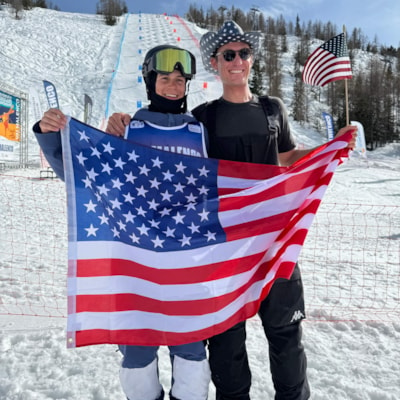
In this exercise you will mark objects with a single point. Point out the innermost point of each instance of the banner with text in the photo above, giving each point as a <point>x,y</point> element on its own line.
<point>10,126</point>
<point>330,131</point>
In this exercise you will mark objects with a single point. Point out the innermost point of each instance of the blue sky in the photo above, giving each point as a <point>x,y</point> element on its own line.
<point>379,18</point>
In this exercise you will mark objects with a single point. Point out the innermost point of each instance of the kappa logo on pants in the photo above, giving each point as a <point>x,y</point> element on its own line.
<point>297,315</point>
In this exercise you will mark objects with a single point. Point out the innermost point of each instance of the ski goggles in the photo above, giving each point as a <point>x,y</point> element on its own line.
<point>230,55</point>
<point>166,61</point>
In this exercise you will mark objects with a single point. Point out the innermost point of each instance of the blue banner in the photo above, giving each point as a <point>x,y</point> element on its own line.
<point>329,125</point>
<point>51,94</point>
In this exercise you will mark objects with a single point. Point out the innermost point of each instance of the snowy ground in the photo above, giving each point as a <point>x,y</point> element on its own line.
<point>349,358</point>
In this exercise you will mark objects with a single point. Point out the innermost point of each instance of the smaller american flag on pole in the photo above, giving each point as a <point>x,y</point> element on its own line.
<point>329,62</point>
<point>166,249</point>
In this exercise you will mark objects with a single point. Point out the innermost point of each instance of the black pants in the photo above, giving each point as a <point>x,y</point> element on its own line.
<point>281,314</point>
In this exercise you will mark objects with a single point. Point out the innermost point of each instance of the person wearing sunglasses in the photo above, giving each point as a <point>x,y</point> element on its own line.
<point>164,124</point>
<point>238,130</point>
<point>244,127</point>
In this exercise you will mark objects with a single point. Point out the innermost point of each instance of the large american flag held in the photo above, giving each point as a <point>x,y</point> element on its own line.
<point>166,249</point>
<point>329,62</point>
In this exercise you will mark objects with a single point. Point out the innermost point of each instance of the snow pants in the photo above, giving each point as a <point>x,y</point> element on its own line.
<point>190,372</point>
<point>281,314</point>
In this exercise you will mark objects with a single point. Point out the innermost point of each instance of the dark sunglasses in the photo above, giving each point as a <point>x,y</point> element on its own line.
<point>229,55</point>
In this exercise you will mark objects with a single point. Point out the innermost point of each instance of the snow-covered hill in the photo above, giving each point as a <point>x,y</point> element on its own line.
<point>347,360</point>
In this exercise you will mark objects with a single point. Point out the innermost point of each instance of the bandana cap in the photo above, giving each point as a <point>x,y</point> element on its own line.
<point>230,31</point>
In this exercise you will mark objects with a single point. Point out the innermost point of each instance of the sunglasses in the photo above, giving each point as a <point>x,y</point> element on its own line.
<point>230,55</point>
<point>167,60</point>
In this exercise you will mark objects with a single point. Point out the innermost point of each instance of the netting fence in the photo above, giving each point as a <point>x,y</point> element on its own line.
<point>350,262</point>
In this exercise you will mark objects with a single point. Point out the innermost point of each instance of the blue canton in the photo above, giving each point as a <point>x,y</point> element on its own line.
<point>142,196</point>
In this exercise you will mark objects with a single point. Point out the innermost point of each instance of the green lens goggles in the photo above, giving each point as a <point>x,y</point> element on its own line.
<point>167,60</point>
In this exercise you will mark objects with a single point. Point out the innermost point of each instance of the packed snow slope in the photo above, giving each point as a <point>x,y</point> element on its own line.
<point>349,360</point>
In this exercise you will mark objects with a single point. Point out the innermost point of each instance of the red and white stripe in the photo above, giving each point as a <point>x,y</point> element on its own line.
<point>323,67</point>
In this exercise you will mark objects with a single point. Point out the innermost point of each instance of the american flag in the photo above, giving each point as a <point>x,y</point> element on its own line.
<point>329,62</point>
<point>166,249</point>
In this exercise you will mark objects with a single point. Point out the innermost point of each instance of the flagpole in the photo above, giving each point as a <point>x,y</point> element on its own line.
<point>346,90</point>
<point>347,101</point>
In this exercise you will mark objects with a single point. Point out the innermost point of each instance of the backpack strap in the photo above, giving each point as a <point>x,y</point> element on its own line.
<point>270,114</point>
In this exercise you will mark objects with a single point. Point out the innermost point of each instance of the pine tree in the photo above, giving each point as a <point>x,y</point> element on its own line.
<point>299,99</point>
<point>40,3</point>
<point>256,81</point>
<point>111,10</point>
<point>16,6</point>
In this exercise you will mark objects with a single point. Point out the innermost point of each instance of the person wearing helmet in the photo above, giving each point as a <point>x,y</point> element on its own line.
<point>167,71</point>
<point>165,124</point>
